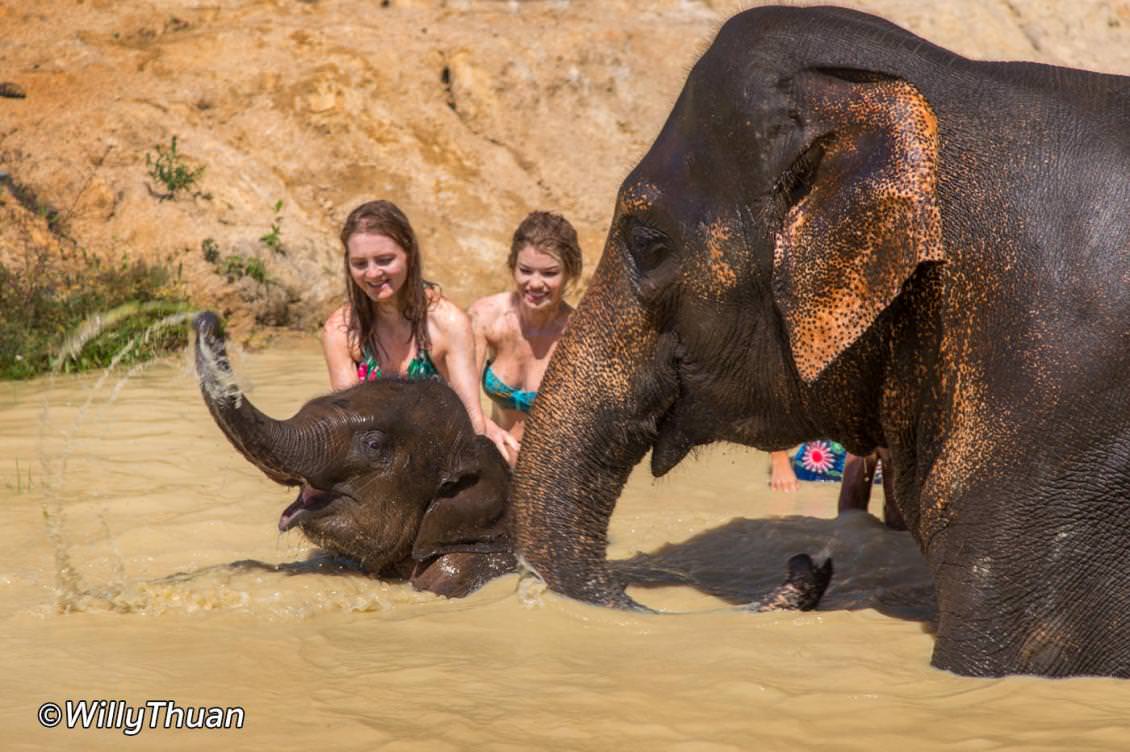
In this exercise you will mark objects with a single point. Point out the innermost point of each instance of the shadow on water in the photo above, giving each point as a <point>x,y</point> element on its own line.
<point>743,560</point>
<point>740,562</point>
<point>319,562</point>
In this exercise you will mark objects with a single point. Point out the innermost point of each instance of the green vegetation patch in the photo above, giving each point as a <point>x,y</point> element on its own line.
<point>81,312</point>
<point>167,167</point>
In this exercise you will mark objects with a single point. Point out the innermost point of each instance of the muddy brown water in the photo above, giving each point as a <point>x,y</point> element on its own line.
<point>137,561</point>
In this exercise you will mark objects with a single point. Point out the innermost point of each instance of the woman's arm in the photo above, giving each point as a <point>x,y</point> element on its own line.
<point>335,347</point>
<point>480,315</point>
<point>483,313</point>
<point>459,357</point>
<point>455,348</point>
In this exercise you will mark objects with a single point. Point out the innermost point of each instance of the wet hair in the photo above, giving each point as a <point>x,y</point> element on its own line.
<point>385,218</point>
<point>549,233</point>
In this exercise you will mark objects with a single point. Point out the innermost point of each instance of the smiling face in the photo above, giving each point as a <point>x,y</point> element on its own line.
<point>377,265</point>
<point>539,278</point>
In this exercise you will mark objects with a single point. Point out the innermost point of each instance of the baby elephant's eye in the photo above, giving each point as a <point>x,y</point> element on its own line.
<point>372,441</point>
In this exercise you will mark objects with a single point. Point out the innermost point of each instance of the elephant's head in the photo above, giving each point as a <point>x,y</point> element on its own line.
<point>390,473</point>
<point>786,202</point>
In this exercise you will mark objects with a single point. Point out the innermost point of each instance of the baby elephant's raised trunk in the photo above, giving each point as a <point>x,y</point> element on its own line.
<point>271,445</point>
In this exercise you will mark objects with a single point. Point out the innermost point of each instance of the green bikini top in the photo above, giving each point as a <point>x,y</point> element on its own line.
<point>505,395</point>
<point>420,368</point>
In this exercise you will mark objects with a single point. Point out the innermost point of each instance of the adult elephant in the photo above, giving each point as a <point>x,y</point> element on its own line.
<point>845,231</point>
<point>392,476</point>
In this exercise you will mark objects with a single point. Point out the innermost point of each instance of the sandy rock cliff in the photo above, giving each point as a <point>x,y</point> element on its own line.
<point>466,113</point>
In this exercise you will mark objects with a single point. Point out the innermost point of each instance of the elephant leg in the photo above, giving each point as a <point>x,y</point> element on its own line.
<point>1027,586</point>
<point>855,488</point>
<point>455,575</point>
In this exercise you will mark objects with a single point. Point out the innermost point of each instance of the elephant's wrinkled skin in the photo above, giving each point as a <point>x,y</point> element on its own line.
<point>392,476</point>
<point>844,231</point>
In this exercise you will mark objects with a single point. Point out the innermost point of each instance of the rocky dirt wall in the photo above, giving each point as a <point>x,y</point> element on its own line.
<point>467,114</point>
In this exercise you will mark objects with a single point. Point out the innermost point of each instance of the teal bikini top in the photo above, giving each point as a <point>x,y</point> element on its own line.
<point>505,395</point>
<point>420,368</point>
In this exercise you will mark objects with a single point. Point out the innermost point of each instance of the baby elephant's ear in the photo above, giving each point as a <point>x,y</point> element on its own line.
<point>864,210</point>
<point>469,511</point>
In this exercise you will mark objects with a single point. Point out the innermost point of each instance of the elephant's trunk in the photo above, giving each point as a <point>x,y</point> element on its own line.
<point>594,418</point>
<point>275,447</point>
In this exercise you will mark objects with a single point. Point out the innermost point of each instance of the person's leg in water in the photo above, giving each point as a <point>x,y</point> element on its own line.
<point>781,475</point>
<point>892,517</point>
<point>855,490</point>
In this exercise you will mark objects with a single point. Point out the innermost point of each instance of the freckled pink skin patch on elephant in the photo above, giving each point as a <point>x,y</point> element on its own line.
<point>843,231</point>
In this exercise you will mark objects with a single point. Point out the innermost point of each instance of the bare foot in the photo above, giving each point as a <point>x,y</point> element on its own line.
<point>781,475</point>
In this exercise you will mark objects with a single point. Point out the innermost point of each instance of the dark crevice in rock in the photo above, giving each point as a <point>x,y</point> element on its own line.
<point>449,92</point>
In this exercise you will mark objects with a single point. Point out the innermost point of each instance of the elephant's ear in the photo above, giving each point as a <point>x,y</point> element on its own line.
<point>469,511</point>
<point>864,210</point>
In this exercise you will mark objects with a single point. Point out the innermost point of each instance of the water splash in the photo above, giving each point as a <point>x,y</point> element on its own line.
<point>239,586</point>
<point>71,592</point>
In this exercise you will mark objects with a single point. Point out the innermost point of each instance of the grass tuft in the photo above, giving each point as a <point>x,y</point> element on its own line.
<point>77,312</point>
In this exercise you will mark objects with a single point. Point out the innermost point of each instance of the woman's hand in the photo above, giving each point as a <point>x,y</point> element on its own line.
<point>507,445</point>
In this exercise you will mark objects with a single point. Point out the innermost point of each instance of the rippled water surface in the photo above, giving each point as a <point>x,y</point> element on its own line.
<point>133,568</point>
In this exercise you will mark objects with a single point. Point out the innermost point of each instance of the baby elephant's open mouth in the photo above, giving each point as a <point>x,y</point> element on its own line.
<point>309,503</point>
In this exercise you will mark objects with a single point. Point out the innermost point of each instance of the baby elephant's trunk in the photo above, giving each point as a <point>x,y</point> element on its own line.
<point>275,447</point>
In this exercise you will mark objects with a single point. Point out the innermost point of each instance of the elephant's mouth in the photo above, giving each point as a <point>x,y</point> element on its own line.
<point>310,502</point>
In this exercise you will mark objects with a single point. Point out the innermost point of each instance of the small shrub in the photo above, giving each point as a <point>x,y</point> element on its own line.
<point>256,269</point>
<point>232,267</point>
<point>235,267</point>
<point>45,304</point>
<point>137,327</point>
<point>272,239</point>
<point>168,169</point>
<point>210,250</point>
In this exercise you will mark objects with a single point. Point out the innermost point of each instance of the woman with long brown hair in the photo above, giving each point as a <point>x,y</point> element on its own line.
<point>396,323</point>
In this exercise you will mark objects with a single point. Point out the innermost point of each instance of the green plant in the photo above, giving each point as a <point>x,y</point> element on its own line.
<point>257,270</point>
<point>22,484</point>
<point>75,311</point>
<point>210,250</point>
<point>168,169</point>
<point>232,267</point>
<point>272,239</point>
<point>147,329</point>
<point>236,266</point>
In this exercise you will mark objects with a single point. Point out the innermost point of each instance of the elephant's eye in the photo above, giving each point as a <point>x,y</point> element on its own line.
<point>372,442</point>
<point>648,247</point>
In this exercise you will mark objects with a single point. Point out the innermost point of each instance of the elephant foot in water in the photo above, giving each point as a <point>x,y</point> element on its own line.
<point>802,590</point>
<point>456,575</point>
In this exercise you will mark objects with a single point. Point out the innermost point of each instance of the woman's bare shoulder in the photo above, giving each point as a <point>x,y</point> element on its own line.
<point>488,313</point>
<point>338,321</point>
<point>447,315</point>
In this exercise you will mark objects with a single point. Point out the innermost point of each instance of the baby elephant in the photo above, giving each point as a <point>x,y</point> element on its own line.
<point>390,473</point>
<point>392,476</point>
